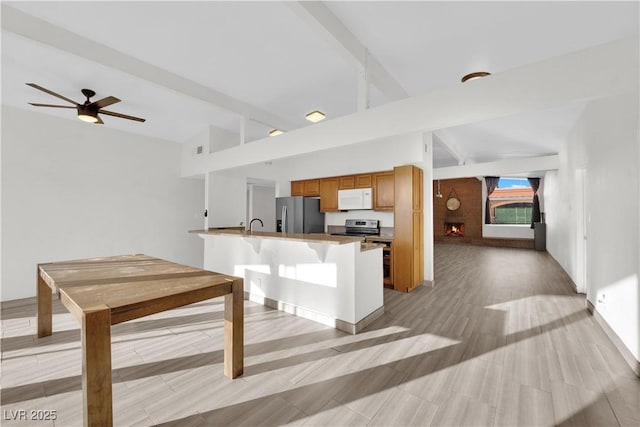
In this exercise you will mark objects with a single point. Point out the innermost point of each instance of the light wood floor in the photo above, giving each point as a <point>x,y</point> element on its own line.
<point>500,340</point>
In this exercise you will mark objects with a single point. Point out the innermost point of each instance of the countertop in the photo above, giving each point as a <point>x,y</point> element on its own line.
<point>313,238</point>
<point>379,239</point>
<point>367,246</point>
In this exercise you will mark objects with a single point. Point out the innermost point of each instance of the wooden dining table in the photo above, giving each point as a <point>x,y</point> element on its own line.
<point>100,292</point>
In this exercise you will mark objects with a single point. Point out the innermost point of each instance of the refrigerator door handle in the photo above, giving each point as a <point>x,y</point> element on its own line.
<point>284,219</point>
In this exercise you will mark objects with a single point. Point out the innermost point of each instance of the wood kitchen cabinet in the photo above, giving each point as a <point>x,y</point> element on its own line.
<point>363,180</point>
<point>297,188</point>
<point>346,182</point>
<point>408,243</point>
<point>307,187</point>
<point>312,187</point>
<point>329,194</point>
<point>383,191</point>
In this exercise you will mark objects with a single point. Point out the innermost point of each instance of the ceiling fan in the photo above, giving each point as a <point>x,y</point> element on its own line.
<point>88,111</point>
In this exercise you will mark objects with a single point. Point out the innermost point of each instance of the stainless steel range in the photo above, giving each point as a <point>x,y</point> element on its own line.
<point>360,227</point>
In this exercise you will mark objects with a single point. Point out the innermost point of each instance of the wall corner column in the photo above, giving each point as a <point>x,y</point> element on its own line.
<point>427,167</point>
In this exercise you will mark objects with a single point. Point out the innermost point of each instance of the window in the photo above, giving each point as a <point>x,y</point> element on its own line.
<point>511,202</point>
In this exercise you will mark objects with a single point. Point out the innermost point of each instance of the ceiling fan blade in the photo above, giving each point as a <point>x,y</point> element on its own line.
<point>99,122</point>
<point>45,90</point>
<point>104,102</point>
<point>51,105</point>
<point>122,116</point>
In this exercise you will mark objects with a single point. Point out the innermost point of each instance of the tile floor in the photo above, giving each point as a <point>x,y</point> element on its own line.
<point>501,340</point>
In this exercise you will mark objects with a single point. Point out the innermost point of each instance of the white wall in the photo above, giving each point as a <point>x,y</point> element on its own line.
<point>227,199</point>
<point>560,198</point>
<point>605,142</point>
<point>507,231</point>
<point>427,194</point>
<point>74,190</point>
<point>378,155</point>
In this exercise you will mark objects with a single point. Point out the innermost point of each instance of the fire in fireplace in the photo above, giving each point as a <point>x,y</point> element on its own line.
<point>454,229</point>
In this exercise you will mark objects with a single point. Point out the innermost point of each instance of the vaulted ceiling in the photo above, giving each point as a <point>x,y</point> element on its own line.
<point>185,66</point>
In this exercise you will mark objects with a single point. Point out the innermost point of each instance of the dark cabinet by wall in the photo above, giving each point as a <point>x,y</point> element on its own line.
<point>540,236</point>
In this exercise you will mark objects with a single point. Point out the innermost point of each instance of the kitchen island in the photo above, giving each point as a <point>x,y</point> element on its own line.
<point>334,280</point>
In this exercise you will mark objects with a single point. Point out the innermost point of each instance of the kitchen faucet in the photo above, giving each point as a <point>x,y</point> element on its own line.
<point>255,219</point>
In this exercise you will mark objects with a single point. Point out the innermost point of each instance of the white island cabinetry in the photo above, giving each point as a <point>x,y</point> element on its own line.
<point>333,280</point>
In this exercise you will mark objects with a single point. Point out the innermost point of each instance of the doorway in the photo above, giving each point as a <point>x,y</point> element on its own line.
<point>581,231</point>
<point>261,203</point>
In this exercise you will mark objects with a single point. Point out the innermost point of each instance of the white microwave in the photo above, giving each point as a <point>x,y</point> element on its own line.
<point>357,198</point>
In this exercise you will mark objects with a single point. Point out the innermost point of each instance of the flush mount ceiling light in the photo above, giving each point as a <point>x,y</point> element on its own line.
<point>475,75</point>
<point>315,116</point>
<point>274,132</point>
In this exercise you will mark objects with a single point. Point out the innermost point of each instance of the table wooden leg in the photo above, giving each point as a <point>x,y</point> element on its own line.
<point>234,330</point>
<point>96,367</point>
<point>44,307</point>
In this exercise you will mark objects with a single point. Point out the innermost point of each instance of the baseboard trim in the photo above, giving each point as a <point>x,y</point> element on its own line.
<point>350,328</point>
<point>353,329</point>
<point>4,305</point>
<point>633,363</point>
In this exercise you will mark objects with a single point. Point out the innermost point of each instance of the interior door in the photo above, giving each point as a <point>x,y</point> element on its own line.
<point>581,232</point>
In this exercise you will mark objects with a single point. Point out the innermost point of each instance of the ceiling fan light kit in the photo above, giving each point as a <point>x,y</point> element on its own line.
<point>88,111</point>
<point>87,117</point>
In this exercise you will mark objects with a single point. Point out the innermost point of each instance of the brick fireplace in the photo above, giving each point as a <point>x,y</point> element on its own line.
<point>453,229</point>
<point>468,218</point>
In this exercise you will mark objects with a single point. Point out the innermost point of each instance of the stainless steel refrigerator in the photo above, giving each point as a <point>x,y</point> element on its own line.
<point>299,214</point>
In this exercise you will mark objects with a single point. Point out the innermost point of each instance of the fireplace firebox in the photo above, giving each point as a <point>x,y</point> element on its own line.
<point>454,229</point>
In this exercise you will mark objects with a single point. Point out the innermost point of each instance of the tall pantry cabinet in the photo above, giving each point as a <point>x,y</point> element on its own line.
<point>408,242</point>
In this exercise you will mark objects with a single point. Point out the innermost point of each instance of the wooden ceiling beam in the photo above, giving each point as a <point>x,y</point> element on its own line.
<point>332,30</point>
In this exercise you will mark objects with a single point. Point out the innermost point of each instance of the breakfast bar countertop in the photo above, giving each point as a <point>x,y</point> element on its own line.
<point>310,238</point>
<point>333,280</point>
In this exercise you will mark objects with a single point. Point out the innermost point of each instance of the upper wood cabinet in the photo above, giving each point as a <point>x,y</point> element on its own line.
<point>327,189</point>
<point>346,182</point>
<point>363,180</point>
<point>297,188</point>
<point>312,187</point>
<point>307,187</point>
<point>383,191</point>
<point>329,194</point>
